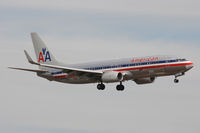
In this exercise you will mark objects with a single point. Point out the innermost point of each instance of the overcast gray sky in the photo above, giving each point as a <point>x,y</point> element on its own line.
<point>91,30</point>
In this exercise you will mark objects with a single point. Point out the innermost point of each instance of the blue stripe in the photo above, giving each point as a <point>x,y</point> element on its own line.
<point>134,64</point>
<point>59,72</point>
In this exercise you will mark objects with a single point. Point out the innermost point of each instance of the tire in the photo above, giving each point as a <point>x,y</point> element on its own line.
<point>120,87</point>
<point>176,80</point>
<point>100,86</point>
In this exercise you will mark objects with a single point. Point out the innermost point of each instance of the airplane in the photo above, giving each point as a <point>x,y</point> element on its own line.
<point>142,70</point>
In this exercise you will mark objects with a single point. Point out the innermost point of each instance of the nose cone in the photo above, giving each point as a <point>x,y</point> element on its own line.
<point>190,66</point>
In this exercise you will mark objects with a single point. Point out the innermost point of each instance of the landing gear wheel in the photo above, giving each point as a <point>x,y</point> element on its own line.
<point>120,87</point>
<point>176,80</point>
<point>101,86</point>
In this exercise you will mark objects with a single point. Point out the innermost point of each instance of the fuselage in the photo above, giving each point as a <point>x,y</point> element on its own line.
<point>132,68</point>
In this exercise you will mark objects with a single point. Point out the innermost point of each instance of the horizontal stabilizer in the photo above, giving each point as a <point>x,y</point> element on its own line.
<point>30,70</point>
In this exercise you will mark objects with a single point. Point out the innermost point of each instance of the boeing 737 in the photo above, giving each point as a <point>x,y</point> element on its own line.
<point>142,70</point>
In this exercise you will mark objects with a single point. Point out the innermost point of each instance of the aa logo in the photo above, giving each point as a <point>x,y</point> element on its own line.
<point>44,56</point>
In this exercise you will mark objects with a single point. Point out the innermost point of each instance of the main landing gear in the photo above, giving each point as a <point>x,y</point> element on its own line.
<point>101,86</point>
<point>178,75</point>
<point>119,87</point>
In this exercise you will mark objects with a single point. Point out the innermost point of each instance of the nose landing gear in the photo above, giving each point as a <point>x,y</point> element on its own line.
<point>176,80</point>
<point>178,75</point>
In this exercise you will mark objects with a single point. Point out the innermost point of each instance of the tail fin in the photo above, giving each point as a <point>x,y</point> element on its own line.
<point>43,54</point>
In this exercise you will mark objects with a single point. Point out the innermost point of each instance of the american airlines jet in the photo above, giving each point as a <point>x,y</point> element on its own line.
<point>142,70</point>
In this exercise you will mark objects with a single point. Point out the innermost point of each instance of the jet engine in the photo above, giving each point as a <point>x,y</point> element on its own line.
<point>144,80</point>
<point>111,76</point>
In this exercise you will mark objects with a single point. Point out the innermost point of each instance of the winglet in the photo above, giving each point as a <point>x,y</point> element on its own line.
<point>29,58</point>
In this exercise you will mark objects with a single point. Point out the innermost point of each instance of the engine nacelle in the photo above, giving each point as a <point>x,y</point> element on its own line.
<point>111,76</point>
<point>144,80</point>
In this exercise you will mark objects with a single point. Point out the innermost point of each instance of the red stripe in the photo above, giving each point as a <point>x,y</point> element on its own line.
<point>63,76</point>
<point>147,67</point>
<point>60,76</point>
<point>71,76</point>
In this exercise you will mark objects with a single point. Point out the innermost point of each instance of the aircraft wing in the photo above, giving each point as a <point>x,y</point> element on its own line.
<point>69,70</point>
<point>65,69</point>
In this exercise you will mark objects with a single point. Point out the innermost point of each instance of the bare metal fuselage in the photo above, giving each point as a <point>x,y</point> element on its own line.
<point>165,66</point>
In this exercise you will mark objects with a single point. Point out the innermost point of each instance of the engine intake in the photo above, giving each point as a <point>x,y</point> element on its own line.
<point>112,76</point>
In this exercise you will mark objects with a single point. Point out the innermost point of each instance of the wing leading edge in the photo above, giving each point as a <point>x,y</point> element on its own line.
<point>29,70</point>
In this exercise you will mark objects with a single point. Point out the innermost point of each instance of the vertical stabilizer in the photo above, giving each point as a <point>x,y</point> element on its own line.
<point>43,55</point>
